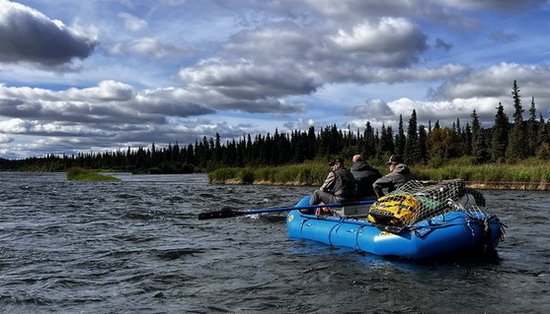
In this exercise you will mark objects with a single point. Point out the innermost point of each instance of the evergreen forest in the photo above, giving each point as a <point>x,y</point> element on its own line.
<point>510,139</point>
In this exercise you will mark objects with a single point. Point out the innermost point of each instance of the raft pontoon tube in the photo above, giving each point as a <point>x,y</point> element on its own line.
<point>450,234</point>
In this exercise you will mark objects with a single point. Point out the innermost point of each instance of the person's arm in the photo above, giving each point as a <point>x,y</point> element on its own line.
<point>329,181</point>
<point>384,182</point>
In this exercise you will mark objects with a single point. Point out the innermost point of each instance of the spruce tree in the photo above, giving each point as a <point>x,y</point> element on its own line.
<point>516,140</point>
<point>335,144</point>
<point>177,152</point>
<point>422,151</point>
<point>323,142</point>
<point>411,142</point>
<point>499,137</point>
<point>400,138</point>
<point>467,148</point>
<point>386,140</point>
<point>458,134</point>
<point>369,150</point>
<point>479,149</point>
<point>190,157</point>
<point>532,129</point>
<point>311,143</point>
<point>217,148</point>
<point>390,145</point>
<point>377,145</point>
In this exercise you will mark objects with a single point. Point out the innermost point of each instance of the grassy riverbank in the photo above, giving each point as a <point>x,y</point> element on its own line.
<point>79,174</point>
<point>530,174</point>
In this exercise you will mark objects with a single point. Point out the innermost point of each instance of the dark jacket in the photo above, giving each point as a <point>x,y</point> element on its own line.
<point>393,180</point>
<point>340,182</point>
<point>345,183</point>
<point>365,176</point>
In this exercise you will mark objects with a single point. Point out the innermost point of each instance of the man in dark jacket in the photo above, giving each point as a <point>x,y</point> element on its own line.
<point>399,175</point>
<point>338,186</point>
<point>365,176</point>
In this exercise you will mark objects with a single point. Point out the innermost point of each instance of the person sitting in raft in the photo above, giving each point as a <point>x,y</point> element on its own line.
<point>399,175</point>
<point>338,187</point>
<point>365,176</point>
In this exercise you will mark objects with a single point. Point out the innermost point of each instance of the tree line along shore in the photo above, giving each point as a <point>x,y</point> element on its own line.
<point>507,151</point>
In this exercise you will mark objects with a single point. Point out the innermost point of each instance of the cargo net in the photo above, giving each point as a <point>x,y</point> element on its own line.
<point>419,200</point>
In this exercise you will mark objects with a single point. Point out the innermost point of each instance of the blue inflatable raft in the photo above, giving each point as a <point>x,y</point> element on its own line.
<point>451,234</point>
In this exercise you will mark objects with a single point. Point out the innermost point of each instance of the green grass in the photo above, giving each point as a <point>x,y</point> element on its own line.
<point>300,174</point>
<point>79,174</point>
<point>485,173</point>
<point>528,174</point>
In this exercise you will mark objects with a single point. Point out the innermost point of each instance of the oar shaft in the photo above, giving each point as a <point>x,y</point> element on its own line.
<point>233,213</point>
<point>281,209</point>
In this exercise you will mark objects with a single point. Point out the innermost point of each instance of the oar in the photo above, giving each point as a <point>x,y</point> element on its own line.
<point>225,213</point>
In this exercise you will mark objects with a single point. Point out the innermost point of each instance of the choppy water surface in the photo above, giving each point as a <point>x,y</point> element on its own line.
<point>136,245</point>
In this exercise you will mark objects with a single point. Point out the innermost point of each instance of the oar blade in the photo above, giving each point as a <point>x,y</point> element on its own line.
<point>219,214</point>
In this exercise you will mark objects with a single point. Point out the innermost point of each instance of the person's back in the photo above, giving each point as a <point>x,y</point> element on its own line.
<point>399,175</point>
<point>346,182</point>
<point>338,187</point>
<point>365,176</point>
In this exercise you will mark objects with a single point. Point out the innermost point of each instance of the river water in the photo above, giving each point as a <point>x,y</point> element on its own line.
<point>137,246</point>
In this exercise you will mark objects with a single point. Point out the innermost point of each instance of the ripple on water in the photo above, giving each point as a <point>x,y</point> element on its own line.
<point>137,246</point>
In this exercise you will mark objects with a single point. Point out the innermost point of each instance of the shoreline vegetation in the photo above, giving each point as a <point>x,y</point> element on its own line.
<point>507,154</point>
<point>529,175</point>
<point>79,174</point>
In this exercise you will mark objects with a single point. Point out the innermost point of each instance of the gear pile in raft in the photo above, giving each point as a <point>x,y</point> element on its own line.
<point>421,220</point>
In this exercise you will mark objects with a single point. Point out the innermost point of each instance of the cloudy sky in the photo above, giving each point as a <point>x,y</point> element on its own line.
<point>101,75</point>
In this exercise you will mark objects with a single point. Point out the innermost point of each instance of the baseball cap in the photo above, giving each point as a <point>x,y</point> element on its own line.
<point>395,159</point>
<point>336,160</point>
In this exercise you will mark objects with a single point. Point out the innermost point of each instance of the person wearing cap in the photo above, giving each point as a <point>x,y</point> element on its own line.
<point>338,186</point>
<point>399,175</point>
<point>365,176</point>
